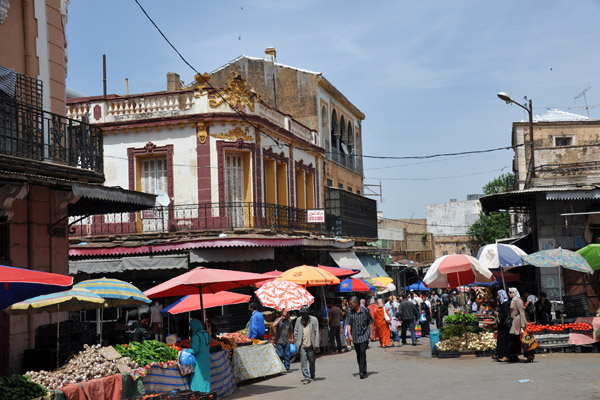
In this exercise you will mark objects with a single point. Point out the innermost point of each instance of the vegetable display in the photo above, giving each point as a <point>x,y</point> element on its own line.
<point>448,331</point>
<point>17,387</point>
<point>147,352</point>
<point>561,328</point>
<point>238,337</point>
<point>88,364</point>
<point>458,319</point>
<point>477,342</point>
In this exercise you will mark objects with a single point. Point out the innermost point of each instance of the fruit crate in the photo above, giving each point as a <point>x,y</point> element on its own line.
<point>448,354</point>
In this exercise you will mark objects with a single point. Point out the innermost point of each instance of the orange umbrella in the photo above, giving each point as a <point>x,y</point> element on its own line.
<point>306,275</point>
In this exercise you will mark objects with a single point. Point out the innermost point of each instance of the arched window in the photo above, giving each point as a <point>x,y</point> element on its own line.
<point>350,145</point>
<point>325,129</point>
<point>335,137</point>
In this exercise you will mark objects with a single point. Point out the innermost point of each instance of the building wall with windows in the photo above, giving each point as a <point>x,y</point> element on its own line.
<point>565,148</point>
<point>316,103</point>
<point>190,145</point>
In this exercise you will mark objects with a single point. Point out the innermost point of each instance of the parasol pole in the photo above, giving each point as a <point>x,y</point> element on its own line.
<point>57,334</point>
<point>562,304</point>
<point>503,283</point>
<point>202,305</point>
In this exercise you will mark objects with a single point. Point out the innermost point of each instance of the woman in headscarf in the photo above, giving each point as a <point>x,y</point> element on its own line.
<point>372,307</point>
<point>517,312</point>
<point>201,351</point>
<point>381,316</point>
<point>504,326</point>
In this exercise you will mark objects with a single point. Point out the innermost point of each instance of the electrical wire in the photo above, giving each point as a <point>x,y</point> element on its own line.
<point>439,177</point>
<point>232,107</point>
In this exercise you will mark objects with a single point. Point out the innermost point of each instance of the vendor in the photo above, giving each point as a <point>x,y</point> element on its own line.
<point>118,335</point>
<point>201,351</point>
<point>143,331</point>
<point>256,328</point>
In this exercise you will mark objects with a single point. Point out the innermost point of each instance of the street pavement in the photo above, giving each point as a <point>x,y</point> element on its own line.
<point>409,372</point>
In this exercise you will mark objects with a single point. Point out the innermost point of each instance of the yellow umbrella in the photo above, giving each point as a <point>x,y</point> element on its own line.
<point>71,300</point>
<point>381,281</point>
<point>307,275</point>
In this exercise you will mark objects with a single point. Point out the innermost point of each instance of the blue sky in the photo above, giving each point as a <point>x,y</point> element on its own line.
<point>425,73</point>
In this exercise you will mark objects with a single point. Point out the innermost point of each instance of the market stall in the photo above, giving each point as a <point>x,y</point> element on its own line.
<point>584,338</point>
<point>256,361</point>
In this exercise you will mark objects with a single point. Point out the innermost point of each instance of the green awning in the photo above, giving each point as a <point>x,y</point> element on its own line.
<point>375,270</point>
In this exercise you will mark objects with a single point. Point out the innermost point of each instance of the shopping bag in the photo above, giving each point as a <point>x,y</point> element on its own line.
<point>292,349</point>
<point>528,341</point>
<point>423,317</point>
<point>186,358</point>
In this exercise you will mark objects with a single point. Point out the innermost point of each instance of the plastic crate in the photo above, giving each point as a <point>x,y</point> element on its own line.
<point>448,354</point>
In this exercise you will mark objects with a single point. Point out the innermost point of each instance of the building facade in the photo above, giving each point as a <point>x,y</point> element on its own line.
<point>51,167</point>
<point>556,202</point>
<point>317,104</point>
<point>449,222</point>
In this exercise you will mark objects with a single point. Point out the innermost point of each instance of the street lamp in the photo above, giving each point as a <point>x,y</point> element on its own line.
<point>530,171</point>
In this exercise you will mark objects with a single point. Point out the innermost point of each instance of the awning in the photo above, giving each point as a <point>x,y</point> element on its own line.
<point>98,199</point>
<point>347,259</point>
<point>237,254</point>
<point>372,266</point>
<point>99,266</point>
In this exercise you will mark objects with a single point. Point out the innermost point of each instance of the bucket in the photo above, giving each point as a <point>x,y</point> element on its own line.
<point>434,337</point>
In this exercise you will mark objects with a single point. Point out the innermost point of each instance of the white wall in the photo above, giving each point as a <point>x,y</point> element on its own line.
<point>452,218</point>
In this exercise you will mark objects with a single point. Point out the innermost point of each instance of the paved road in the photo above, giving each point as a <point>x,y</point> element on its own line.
<point>410,373</point>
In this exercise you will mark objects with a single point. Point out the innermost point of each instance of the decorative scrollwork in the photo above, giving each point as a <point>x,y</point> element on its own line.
<point>234,134</point>
<point>236,94</point>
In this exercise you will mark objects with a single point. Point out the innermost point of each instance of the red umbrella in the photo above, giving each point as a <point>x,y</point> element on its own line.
<point>224,298</point>
<point>18,284</point>
<point>340,272</point>
<point>273,274</point>
<point>203,280</point>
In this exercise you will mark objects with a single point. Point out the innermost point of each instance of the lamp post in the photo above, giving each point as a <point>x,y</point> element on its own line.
<point>530,170</point>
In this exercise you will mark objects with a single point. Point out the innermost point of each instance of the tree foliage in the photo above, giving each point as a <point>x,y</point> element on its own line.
<point>500,184</point>
<point>490,227</point>
<point>496,225</point>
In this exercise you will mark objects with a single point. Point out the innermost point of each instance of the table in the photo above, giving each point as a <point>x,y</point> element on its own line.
<point>579,339</point>
<point>256,361</point>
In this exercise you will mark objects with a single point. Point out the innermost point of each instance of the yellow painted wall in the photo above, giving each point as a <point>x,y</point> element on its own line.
<point>270,182</point>
<point>300,189</point>
<point>310,190</point>
<point>282,184</point>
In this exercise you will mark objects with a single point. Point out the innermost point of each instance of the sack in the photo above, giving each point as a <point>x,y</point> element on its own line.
<point>186,358</point>
<point>528,342</point>
<point>423,317</point>
<point>386,315</point>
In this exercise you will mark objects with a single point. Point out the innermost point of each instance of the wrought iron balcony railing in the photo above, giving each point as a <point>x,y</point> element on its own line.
<point>197,217</point>
<point>35,134</point>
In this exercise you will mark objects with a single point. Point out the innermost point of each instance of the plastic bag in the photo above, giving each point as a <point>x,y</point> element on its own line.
<point>292,349</point>
<point>186,358</point>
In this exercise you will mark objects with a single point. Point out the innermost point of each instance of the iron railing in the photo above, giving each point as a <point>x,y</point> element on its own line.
<point>197,217</point>
<point>32,133</point>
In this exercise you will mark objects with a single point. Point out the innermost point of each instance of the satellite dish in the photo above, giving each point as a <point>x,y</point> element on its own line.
<point>163,200</point>
<point>345,149</point>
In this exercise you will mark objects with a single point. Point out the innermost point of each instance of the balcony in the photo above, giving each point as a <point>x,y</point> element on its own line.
<point>350,215</point>
<point>197,217</point>
<point>34,134</point>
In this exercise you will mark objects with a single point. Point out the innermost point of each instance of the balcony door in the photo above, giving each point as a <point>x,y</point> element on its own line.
<point>235,184</point>
<point>153,174</point>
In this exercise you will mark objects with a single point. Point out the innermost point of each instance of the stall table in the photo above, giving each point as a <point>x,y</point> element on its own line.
<point>256,361</point>
<point>582,339</point>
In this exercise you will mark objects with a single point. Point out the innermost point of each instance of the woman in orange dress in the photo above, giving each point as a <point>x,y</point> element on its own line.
<point>381,318</point>
<point>372,307</point>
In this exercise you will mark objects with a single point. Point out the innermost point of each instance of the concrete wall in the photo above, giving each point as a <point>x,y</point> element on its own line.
<point>452,218</point>
<point>32,247</point>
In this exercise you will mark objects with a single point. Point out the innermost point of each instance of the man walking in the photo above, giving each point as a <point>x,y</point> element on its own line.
<point>409,313</point>
<point>306,336</point>
<point>392,307</point>
<point>283,329</point>
<point>359,321</point>
<point>335,316</point>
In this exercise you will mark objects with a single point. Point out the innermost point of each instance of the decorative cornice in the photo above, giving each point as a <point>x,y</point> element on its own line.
<point>236,94</point>
<point>234,134</point>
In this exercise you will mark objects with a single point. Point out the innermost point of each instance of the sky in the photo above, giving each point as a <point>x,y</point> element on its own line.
<point>425,73</point>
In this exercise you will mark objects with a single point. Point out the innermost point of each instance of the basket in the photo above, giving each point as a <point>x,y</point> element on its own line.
<point>448,354</point>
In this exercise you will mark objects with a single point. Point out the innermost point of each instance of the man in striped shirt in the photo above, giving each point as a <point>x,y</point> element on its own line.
<point>359,322</point>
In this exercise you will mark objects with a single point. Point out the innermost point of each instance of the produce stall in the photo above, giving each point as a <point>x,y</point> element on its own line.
<point>256,361</point>
<point>581,338</point>
<point>462,334</point>
<point>565,336</point>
